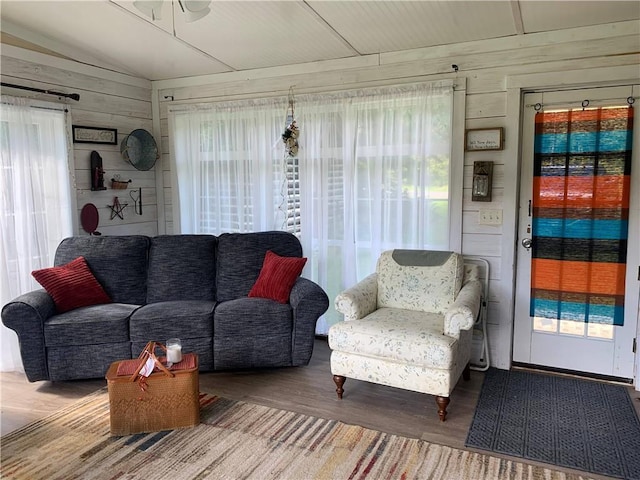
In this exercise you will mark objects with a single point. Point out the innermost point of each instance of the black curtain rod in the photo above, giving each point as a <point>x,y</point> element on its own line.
<point>72,96</point>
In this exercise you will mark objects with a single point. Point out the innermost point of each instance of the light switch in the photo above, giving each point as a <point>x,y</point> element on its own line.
<point>490,216</point>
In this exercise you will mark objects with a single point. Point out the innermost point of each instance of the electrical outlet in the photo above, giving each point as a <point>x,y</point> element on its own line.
<point>490,216</point>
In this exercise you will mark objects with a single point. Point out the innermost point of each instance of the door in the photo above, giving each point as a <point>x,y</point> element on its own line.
<point>575,255</point>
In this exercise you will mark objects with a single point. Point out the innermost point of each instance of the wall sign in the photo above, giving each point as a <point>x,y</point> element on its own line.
<point>95,135</point>
<point>476,139</point>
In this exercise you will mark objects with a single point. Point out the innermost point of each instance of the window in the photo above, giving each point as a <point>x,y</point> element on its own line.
<point>291,196</point>
<point>35,205</point>
<point>229,167</point>
<point>372,174</point>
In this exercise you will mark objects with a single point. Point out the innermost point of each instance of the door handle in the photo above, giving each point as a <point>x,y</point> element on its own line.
<point>526,243</point>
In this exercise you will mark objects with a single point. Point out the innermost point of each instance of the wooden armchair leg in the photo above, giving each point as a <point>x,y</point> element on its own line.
<point>339,380</point>
<point>442,407</point>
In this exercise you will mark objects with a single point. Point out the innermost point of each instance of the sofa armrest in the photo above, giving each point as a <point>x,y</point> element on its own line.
<point>308,301</point>
<point>462,314</point>
<point>360,300</point>
<point>26,315</point>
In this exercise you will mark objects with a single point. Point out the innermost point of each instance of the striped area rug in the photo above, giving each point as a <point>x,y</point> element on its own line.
<point>238,440</point>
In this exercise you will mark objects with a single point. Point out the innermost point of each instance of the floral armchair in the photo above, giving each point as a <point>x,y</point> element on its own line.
<point>409,324</point>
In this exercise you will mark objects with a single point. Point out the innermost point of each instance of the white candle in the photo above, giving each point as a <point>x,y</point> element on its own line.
<point>174,353</point>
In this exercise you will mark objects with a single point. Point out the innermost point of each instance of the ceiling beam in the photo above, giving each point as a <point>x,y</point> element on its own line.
<point>517,16</point>
<point>172,34</point>
<point>322,21</point>
<point>63,50</point>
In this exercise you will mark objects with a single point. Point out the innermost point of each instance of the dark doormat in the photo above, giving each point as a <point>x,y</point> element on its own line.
<point>582,424</point>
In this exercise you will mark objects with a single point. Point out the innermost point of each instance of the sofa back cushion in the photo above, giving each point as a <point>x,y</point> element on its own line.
<point>182,267</point>
<point>240,258</point>
<point>119,263</point>
<point>422,280</point>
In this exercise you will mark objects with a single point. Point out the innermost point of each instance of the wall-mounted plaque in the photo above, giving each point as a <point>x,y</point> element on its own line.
<point>476,139</point>
<point>95,135</point>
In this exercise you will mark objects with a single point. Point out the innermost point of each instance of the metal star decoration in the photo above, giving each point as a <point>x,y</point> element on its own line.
<point>117,208</point>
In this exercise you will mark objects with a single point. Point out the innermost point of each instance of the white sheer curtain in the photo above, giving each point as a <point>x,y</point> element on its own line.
<point>374,167</point>
<point>228,164</point>
<point>35,203</point>
<point>373,174</point>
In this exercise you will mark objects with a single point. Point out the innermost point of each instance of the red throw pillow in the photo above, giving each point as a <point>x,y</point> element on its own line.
<point>71,285</point>
<point>277,277</point>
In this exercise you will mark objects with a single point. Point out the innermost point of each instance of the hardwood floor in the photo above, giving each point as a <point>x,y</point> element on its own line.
<point>309,390</point>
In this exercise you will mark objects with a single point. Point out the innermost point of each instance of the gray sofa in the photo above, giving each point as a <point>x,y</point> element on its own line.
<point>193,287</point>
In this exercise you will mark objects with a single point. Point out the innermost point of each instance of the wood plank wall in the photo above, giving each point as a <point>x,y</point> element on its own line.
<point>107,100</point>
<point>486,66</point>
<point>126,103</point>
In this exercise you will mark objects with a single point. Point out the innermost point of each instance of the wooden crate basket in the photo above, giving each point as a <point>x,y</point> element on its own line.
<point>119,185</point>
<point>167,402</point>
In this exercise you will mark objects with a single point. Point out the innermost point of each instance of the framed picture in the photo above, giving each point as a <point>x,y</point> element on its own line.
<point>476,139</point>
<point>95,135</point>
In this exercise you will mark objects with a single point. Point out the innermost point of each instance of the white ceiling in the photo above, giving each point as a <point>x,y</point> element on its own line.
<point>241,35</point>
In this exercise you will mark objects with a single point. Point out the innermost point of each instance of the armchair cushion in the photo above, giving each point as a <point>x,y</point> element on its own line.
<point>422,280</point>
<point>401,336</point>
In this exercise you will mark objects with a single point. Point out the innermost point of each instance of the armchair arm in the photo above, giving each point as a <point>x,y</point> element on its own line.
<point>360,300</point>
<point>462,314</point>
<point>308,301</point>
<point>26,315</point>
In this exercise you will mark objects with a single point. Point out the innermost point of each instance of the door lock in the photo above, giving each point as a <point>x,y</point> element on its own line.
<point>526,243</point>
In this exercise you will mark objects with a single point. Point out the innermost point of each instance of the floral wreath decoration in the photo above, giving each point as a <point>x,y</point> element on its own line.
<point>290,139</point>
<point>291,132</point>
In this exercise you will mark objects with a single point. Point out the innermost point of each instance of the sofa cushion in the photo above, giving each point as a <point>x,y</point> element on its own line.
<point>71,285</point>
<point>175,319</point>
<point>240,257</point>
<point>99,324</point>
<point>419,279</point>
<point>181,267</point>
<point>202,346</point>
<point>403,336</point>
<point>277,277</point>
<point>119,263</point>
<point>249,317</point>
<point>73,362</point>
<point>251,333</point>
